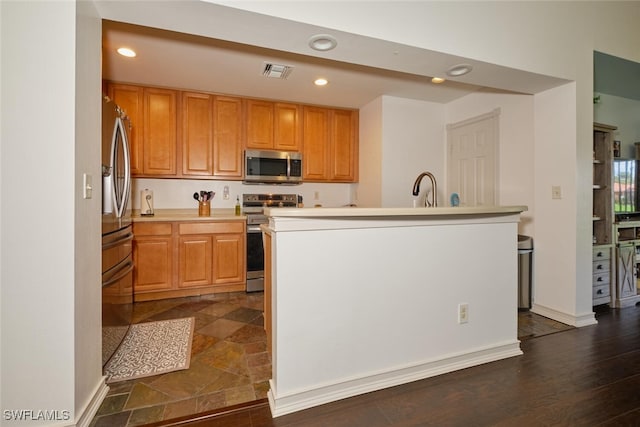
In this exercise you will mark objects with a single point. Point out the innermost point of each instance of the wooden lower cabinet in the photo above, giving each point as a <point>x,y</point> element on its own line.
<point>228,258</point>
<point>176,259</point>
<point>196,255</point>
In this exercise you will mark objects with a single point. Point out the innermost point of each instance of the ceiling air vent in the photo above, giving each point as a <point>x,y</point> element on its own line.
<point>276,71</point>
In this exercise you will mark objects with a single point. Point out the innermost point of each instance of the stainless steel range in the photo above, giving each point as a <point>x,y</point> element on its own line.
<point>253,206</point>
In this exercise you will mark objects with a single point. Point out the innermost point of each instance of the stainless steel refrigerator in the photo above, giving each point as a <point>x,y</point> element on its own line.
<point>117,231</point>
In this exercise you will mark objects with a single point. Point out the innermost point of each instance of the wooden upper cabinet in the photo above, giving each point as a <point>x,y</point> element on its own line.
<point>287,129</point>
<point>160,131</point>
<point>315,144</point>
<point>259,124</point>
<point>197,134</point>
<point>330,145</point>
<point>273,125</point>
<point>227,136</point>
<point>344,146</point>
<point>194,134</point>
<point>130,99</point>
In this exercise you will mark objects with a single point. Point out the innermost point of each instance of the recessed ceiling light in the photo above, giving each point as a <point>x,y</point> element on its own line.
<point>437,80</point>
<point>459,70</point>
<point>322,42</point>
<point>321,82</point>
<point>125,51</point>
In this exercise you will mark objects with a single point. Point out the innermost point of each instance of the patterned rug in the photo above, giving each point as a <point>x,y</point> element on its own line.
<point>152,348</point>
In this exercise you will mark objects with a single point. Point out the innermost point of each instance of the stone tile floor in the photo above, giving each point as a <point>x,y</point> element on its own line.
<point>229,362</point>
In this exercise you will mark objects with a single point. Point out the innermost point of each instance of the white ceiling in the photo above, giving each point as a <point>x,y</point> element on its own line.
<point>173,59</point>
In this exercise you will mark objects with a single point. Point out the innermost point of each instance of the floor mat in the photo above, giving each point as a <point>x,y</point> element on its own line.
<point>152,348</point>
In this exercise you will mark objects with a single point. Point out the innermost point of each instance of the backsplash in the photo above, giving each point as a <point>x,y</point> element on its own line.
<point>178,193</point>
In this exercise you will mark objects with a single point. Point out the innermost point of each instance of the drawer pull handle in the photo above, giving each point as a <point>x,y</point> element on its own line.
<point>599,267</point>
<point>599,292</point>
<point>599,279</point>
<point>599,254</point>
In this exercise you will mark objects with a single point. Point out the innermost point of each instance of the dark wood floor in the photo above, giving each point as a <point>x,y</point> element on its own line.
<point>580,377</point>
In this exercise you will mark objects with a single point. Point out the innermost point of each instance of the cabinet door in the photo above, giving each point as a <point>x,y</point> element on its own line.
<point>344,146</point>
<point>153,260</point>
<point>259,124</point>
<point>130,98</point>
<point>229,258</point>
<point>315,143</point>
<point>287,132</point>
<point>626,273</point>
<point>159,150</point>
<point>197,134</point>
<point>195,261</point>
<point>227,142</point>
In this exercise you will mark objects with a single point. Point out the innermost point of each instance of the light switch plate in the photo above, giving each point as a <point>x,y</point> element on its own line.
<point>87,186</point>
<point>556,192</point>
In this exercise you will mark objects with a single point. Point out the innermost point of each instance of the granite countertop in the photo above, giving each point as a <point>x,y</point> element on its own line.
<point>347,212</point>
<point>187,215</point>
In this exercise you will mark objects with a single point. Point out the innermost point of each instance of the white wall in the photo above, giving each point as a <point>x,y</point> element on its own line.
<point>38,232</point>
<point>369,188</point>
<point>178,193</point>
<point>87,220</point>
<point>400,138</point>
<point>624,113</point>
<point>516,145</point>
<point>412,135</point>
<point>50,247</point>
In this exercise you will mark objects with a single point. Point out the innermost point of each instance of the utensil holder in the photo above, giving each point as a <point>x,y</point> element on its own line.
<point>204,208</point>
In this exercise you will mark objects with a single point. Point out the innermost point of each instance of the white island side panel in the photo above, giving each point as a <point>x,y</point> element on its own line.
<point>355,306</point>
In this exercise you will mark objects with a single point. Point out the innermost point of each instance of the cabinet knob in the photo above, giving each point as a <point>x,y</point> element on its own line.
<point>599,254</point>
<point>599,279</point>
<point>599,292</point>
<point>599,267</point>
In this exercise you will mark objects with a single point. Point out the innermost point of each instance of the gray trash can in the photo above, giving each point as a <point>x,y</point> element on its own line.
<point>525,261</point>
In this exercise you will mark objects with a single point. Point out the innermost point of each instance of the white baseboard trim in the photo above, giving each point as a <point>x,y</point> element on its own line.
<point>84,419</point>
<point>304,399</point>
<point>569,319</point>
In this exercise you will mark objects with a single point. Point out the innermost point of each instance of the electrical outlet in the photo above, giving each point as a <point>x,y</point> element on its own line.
<point>556,192</point>
<point>316,195</point>
<point>463,313</point>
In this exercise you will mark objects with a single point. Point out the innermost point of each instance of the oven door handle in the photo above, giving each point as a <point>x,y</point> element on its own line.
<point>254,229</point>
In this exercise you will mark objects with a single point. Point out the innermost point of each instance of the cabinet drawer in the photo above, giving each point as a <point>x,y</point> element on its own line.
<point>601,291</point>
<point>601,279</point>
<point>211,227</point>
<point>601,266</point>
<point>601,253</point>
<point>151,229</point>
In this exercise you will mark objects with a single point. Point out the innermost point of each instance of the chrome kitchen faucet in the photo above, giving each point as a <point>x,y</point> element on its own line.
<point>434,189</point>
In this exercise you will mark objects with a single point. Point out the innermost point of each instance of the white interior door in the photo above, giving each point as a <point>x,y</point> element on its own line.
<point>472,160</point>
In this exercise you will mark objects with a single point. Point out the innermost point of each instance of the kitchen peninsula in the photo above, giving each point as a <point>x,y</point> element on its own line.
<point>359,299</point>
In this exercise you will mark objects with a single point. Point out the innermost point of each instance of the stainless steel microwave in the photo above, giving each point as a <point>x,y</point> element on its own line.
<point>272,167</point>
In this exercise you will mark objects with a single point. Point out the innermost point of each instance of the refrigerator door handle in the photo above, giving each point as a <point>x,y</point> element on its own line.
<point>120,194</point>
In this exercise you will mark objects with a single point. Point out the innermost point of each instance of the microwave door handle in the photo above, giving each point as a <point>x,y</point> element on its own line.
<point>288,166</point>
